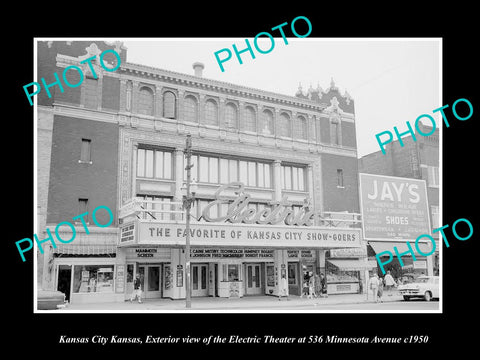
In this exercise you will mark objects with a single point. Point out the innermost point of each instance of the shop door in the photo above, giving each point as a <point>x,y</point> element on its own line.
<point>199,280</point>
<point>294,280</point>
<point>150,276</point>
<point>64,280</point>
<point>254,286</point>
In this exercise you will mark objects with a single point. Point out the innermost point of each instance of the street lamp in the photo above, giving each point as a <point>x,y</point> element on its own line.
<point>188,191</point>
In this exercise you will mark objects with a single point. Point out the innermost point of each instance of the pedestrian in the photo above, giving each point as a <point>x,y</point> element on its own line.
<point>323,281</point>
<point>380,289</point>
<point>373,285</point>
<point>389,282</point>
<point>318,286</point>
<point>137,290</point>
<point>311,286</point>
<point>306,279</point>
<point>284,287</point>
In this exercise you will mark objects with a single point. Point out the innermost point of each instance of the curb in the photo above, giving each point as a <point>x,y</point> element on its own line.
<point>237,304</point>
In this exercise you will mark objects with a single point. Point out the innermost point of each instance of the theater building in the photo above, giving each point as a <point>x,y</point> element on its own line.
<point>276,175</point>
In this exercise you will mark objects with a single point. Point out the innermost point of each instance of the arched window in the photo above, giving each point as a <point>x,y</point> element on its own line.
<point>211,113</point>
<point>169,105</point>
<point>230,116</point>
<point>267,122</point>
<point>284,128</point>
<point>190,109</point>
<point>300,128</point>
<point>145,101</point>
<point>250,123</point>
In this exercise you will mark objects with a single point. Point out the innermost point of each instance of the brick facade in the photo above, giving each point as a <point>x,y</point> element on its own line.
<point>71,180</point>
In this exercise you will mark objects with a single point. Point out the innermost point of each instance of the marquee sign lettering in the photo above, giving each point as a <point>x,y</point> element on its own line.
<point>239,212</point>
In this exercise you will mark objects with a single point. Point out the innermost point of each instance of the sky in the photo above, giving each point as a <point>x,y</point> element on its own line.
<point>391,80</point>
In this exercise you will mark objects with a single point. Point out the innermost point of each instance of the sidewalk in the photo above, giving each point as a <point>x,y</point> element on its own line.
<point>246,303</point>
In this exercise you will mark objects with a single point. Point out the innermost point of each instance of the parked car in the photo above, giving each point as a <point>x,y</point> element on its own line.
<point>423,287</point>
<point>50,300</point>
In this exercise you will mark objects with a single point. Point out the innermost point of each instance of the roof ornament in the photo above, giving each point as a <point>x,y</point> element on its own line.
<point>347,97</point>
<point>332,85</point>
<point>299,92</point>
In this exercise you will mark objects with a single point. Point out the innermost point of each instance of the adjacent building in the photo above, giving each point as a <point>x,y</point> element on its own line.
<point>417,160</point>
<point>277,177</point>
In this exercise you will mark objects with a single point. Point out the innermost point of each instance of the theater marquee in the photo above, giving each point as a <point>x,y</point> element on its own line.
<point>208,234</point>
<point>276,226</point>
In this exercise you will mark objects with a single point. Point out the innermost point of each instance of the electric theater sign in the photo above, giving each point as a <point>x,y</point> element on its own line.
<point>277,226</point>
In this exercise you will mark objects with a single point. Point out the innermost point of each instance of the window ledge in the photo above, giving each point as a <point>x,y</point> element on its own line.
<point>77,223</point>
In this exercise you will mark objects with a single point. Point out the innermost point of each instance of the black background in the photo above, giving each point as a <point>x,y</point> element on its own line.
<point>454,23</point>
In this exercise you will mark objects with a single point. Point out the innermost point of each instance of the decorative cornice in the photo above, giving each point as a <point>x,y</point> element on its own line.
<point>217,86</point>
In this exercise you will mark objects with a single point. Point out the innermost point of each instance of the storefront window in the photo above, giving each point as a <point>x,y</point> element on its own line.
<point>93,278</point>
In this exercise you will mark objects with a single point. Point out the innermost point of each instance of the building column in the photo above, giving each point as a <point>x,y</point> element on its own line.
<point>134,103</point>
<point>123,95</point>
<point>310,128</point>
<point>277,180</point>
<point>221,113</point>
<point>293,124</point>
<point>317,181</point>
<point>201,109</point>
<point>259,124</point>
<point>280,265</point>
<point>134,171</point>
<point>158,103</point>
<point>310,184</point>
<point>276,114</point>
<point>241,116</point>
<point>179,109</point>
<point>178,273</point>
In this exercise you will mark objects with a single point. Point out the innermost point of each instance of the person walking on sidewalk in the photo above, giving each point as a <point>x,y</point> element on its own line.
<point>318,286</point>
<point>389,282</point>
<point>137,289</point>
<point>323,282</point>
<point>283,287</point>
<point>306,279</point>
<point>380,289</point>
<point>311,286</point>
<point>373,285</point>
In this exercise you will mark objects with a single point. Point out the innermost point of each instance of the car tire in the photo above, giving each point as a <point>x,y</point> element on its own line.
<point>427,296</point>
<point>406,298</point>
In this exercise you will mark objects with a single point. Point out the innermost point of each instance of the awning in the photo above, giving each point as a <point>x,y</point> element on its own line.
<point>85,249</point>
<point>381,246</point>
<point>350,264</point>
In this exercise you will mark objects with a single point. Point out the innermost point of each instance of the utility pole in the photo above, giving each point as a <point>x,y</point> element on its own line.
<point>187,204</point>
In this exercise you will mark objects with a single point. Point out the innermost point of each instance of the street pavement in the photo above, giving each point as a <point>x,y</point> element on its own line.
<point>391,301</point>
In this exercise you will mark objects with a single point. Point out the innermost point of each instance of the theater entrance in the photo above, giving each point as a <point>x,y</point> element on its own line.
<point>199,280</point>
<point>150,276</point>
<point>254,285</point>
